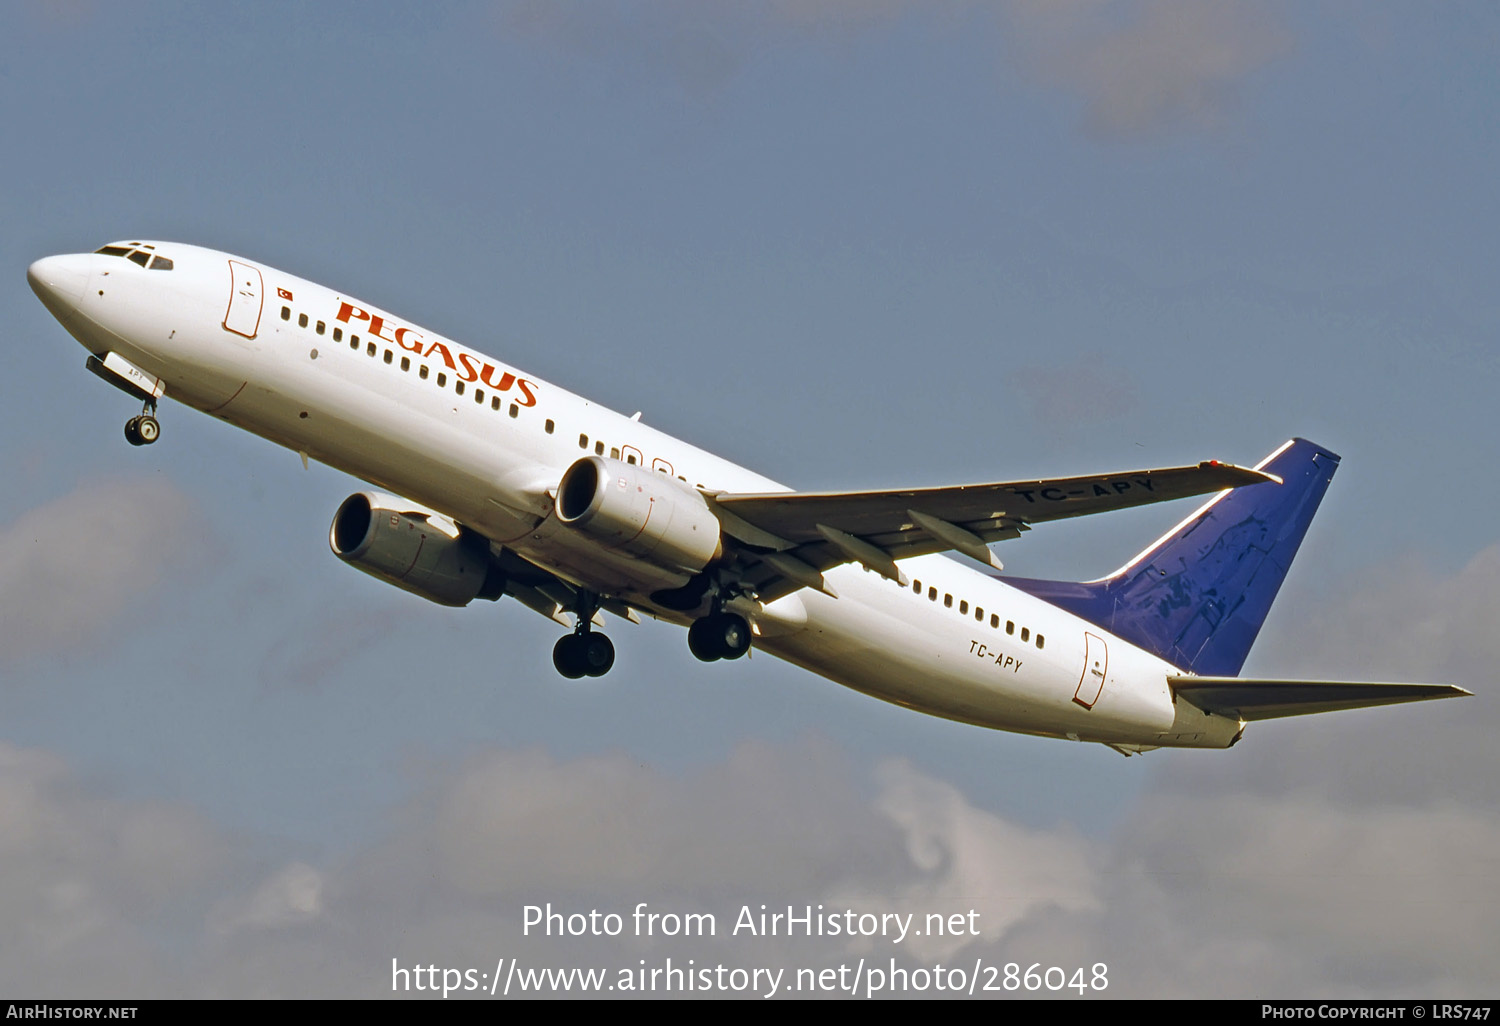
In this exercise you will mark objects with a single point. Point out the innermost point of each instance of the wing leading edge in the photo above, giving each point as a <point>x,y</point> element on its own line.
<point>1260,699</point>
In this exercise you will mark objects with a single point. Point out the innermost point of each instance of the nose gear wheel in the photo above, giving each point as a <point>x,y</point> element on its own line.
<point>145,429</point>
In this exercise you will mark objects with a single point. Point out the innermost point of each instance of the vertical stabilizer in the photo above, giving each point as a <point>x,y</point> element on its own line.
<point>1199,595</point>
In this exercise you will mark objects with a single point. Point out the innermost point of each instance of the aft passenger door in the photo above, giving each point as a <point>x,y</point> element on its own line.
<point>1095,668</point>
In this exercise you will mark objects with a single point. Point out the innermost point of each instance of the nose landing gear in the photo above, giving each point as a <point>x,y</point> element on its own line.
<point>145,429</point>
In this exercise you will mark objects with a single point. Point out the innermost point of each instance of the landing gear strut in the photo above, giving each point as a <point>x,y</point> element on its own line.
<point>143,430</point>
<point>719,636</point>
<point>584,653</point>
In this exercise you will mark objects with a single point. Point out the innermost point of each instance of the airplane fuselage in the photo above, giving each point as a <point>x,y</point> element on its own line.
<point>485,445</point>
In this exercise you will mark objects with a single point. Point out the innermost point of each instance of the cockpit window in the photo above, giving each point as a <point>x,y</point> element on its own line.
<point>140,253</point>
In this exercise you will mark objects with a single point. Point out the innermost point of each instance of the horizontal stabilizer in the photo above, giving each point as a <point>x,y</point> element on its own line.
<point>1251,699</point>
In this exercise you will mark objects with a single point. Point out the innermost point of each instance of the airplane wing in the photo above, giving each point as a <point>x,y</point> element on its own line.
<point>809,532</point>
<point>1252,699</point>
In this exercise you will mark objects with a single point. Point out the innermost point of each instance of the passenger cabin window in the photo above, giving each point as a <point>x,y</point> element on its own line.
<point>406,363</point>
<point>515,411</point>
<point>994,619</point>
<point>494,402</point>
<point>1041,642</point>
<point>422,372</point>
<point>442,379</point>
<point>1025,633</point>
<point>389,356</point>
<point>302,320</point>
<point>963,607</point>
<point>370,349</point>
<point>458,385</point>
<point>948,601</point>
<point>548,426</point>
<point>1010,627</point>
<point>286,313</point>
<point>598,448</point>
<point>338,334</point>
<point>583,440</point>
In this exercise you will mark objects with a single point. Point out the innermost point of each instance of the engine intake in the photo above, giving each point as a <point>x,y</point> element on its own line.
<point>642,513</point>
<point>406,548</point>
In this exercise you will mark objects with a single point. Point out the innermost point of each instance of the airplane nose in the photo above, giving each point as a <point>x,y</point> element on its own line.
<point>60,282</point>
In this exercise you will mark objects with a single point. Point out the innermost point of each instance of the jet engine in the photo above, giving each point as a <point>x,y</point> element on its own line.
<point>415,549</point>
<point>640,513</point>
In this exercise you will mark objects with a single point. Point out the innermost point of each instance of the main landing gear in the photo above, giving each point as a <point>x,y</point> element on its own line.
<point>719,636</point>
<point>143,430</point>
<point>584,653</point>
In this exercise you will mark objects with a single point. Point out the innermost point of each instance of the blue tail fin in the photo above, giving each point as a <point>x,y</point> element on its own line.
<point>1198,596</point>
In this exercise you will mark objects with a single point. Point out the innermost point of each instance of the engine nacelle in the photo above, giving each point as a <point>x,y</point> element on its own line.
<point>429,557</point>
<point>642,513</point>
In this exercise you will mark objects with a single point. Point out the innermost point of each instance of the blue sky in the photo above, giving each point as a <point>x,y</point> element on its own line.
<point>844,243</point>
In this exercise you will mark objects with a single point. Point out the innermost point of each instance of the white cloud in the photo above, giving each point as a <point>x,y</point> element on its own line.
<point>1399,621</point>
<point>1330,898</point>
<point>1143,68</point>
<point>964,858</point>
<point>1224,894</point>
<point>523,824</point>
<point>75,565</point>
<point>292,896</point>
<point>1333,856</point>
<point>1140,67</point>
<point>84,879</point>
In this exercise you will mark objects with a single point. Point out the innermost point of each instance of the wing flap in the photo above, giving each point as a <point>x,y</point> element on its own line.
<point>1261,699</point>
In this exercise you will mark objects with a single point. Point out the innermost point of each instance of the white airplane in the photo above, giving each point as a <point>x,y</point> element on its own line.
<point>504,484</point>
